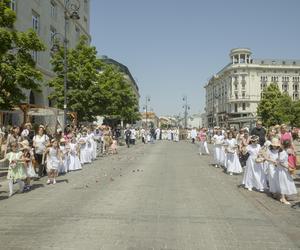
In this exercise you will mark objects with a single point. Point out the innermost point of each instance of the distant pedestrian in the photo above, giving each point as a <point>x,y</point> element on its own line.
<point>259,131</point>
<point>127,134</point>
<point>193,135</point>
<point>202,136</point>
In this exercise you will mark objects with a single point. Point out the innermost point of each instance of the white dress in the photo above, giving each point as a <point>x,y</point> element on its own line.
<point>218,155</point>
<point>272,171</point>
<point>64,166</point>
<point>232,160</point>
<point>285,180</point>
<point>52,159</point>
<point>93,146</point>
<point>254,175</point>
<point>74,159</point>
<point>84,154</point>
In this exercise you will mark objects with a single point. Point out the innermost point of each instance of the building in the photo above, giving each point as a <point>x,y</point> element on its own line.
<point>149,118</point>
<point>232,95</point>
<point>194,121</point>
<point>46,17</point>
<point>126,73</point>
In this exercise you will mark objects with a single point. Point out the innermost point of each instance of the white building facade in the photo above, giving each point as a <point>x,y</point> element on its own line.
<point>233,94</point>
<point>46,17</point>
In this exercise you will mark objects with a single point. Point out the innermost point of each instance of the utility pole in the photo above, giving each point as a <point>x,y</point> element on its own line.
<point>186,108</point>
<point>146,110</point>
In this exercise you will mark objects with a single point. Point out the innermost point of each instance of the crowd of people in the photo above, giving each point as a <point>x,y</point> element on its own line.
<point>33,154</point>
<point>266,157</point>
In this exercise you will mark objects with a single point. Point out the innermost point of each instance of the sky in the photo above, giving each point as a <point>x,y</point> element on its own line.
<point>172,47</point>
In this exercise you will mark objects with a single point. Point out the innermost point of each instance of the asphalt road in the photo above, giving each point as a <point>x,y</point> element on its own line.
<point>162,196</point>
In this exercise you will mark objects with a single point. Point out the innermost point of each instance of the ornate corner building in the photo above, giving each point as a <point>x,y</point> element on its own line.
<point>232,95</point>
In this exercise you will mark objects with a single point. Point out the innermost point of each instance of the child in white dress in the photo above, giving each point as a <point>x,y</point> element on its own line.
<point>75,163</point>
<point>285,180</point>
<point>217,140</point>
<point>271,158</point>
<point>232,160</point>
<point>54,159</point>
<point>254,175</point>
<point>65,150</point>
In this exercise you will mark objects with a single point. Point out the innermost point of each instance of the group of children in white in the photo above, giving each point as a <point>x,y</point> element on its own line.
<point>267,167</point>
<point>58,156</point>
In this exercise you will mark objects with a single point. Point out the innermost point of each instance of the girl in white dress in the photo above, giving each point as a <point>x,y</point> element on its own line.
<point>74,156</point>
<point>254,176</point>
<point>232,160</point>
<point>217,140</point>
<point>65,150</point>
<point>271,159</point>
<point>85,155</point>
<point>54,159</point>
<point>285,180</point>
<point>28,158</point>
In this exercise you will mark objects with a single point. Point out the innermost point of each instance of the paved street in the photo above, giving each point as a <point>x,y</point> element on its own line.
<point>161,196</point>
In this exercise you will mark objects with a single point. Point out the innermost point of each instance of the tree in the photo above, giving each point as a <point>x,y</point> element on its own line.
<point>296,112</point>
<point>93,87</point>
<point>17,67</point>
<point>275,107</point>
<point>118,99</point>
<point>82,75</point>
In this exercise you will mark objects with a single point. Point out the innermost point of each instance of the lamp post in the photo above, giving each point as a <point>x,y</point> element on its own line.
<point>186,108</point>
<point>71,9</point>
<point>146,110</point>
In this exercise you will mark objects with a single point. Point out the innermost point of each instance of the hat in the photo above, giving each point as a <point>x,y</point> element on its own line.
<point>277,126</point>
<point>24,144</point>
<point>27,124</point>
<point>62,140</point>
<point>42,126</point>
<point>275,142</point>
<point>254,138</point>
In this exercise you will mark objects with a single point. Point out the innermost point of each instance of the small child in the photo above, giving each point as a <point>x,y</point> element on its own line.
<point>114,145</point>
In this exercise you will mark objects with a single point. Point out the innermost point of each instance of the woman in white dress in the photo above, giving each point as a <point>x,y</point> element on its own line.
<point>54,159</point>
<point>74,156</point>
<point>271,158</point>
<point>254,175</point>
<point>285,180</point>
<point>232,160</point>
<point>93,149</point>
<point>217,140</point>
<point>85,153</point>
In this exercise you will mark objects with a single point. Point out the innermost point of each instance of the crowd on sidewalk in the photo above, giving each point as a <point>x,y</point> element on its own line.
<point>268,158</point>
<point>30,154</point>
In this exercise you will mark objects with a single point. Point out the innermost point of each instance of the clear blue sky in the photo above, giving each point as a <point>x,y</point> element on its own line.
<point>172,47</point>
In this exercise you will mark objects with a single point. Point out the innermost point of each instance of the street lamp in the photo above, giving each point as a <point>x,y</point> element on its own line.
<point>71,9</point>
<point>186,108</point>
<point>146,109</point>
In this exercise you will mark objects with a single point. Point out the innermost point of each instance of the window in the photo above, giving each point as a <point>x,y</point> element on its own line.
<point>243,94</point>
<point>296,87</point>
<point>244,106</point>
<point>235,107</point>
<point>86,5</point>
<point>285,87</point>
<point>13,5</point>
<point>52,33</point>
<point>53,9</point>
<point>235,86</point>
<point>85,22</point>
<point>77,33</point>
<point>35,22</point>
<point>236,96</point>
<point>34,55</point>
<point>285,78</point>
<point>295,96</point>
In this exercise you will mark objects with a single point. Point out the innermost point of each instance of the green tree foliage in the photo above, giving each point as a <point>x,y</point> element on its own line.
<point>17,68</point>
<point>93,87</point>
<point>276,107</point>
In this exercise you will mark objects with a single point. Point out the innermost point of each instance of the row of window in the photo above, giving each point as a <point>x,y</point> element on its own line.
<point>284,79</point>
<point>284,86</point>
